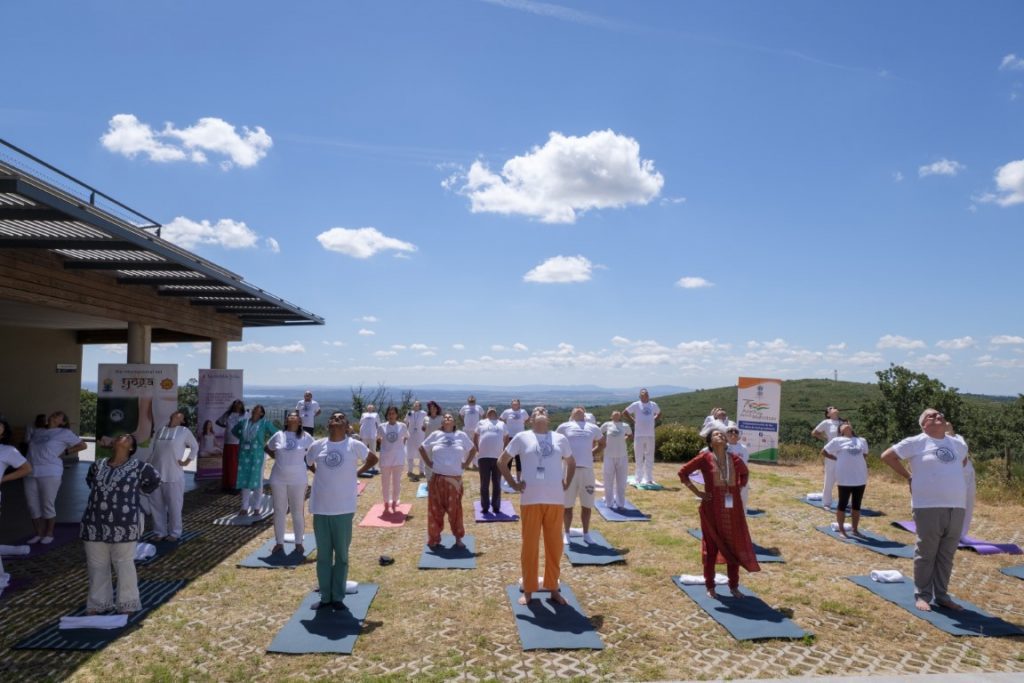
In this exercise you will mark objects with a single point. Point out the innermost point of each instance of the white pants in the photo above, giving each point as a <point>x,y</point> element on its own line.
<point>643,449</point>
<point>41,496</point>
<point>99,557</point>
<point>165,505</point>
<point>370,440</point>
<point>412,454</point>
<point>288,497</point>
<point>252,498</point>
<point>391,483</point>
<point>830,483</point>
<point>614,472</point>
<point>969,481</point>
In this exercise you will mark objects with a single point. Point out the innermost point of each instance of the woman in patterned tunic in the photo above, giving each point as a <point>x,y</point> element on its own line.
<point>112,526</point>
<point>252,437</point>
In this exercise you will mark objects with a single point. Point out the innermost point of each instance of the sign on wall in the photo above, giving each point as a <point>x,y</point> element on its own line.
<point>133,398</point>
<point>217,389</point>
<point>758,403</point>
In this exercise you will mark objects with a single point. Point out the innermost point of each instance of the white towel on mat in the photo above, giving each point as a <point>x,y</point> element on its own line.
<point>846,526</point>
<point>351,587</point>
<point>887,576</point>
<point>104,621</point>
<point>814,496</point>
<point>698,580</point>
<point>144,551</point>
<point>13,550</point>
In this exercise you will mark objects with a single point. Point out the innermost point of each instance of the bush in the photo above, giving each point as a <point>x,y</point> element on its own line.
<point>792,453</point>
<point>676,443</point>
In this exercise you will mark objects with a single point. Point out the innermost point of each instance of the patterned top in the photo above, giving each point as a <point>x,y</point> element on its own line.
<point>112,514</point>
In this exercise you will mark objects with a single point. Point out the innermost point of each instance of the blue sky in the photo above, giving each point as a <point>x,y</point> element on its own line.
<point>843,182</point>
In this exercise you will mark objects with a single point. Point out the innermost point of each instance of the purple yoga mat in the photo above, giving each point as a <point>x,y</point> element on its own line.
<point>971,543</point>
<point>507,514</point>
<point>63,534</point>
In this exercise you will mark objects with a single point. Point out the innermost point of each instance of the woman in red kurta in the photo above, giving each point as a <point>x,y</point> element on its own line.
<point>723,521</point>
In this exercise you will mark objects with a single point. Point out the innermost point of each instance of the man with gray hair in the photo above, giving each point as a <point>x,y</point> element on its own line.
<point>937,497</point>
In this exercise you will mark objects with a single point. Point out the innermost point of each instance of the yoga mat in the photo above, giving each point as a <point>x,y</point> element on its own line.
<point>599,552</point>
<point>746,618</point>
<point>751,512</point>
<point>969,542</point>
<point>266,511</point>
<point>505,488</point>
<point>762,554</point>
<point>971,621</point>
<point>544,625</point>
<point>1017,571</point>
<point>325,630</point>
<point>697,477</point>
<point>15,584</point>
<point>63,534</point>
<point>376,517</point>
<point>448,556</point>
<point>628,513</point>
<point>507,513</point>
<point>421,490</point>
<point>631,480</point>
<point>874,542</point>
<point>50,637</point>
<point>165,547</point>
<point>263,559</point>
<point>864,512</point>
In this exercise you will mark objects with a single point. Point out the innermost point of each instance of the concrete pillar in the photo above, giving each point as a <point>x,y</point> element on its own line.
<point>140,339</point>
<point>218,354</point>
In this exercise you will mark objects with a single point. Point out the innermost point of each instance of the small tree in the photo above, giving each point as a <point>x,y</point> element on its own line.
<point>905,395</point>
<point>378,398</point>
<point>676,443</point>
<point>188,399</point>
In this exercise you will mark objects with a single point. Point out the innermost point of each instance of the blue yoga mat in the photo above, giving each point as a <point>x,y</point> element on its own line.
<point>421,490</point>
<point>763,554</point>
<point>165,547</point>
<point>325,630</point>
<point>626,514</point>
<point>543,625</point>
<point>1017,571</point>
<point>598,552</point>
<point>873,542</point>
<point>971,621</point>
<point>753,512</point>
<point>263,559</point>
<point>746,618</point>
<point>152,594</point>
<point>864,512</point>
<point>265,512</point>
<point>448,556</point>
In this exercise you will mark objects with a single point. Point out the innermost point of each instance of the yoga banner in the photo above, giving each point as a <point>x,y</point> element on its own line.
<point>217,389</point>
<point>134,399</point>
<point>758,402</point>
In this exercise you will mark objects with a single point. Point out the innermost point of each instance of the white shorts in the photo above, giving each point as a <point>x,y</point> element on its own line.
<point>582,486</point>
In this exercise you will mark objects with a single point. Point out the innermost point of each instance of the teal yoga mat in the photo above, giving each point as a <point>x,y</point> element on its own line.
<point>873,542</point>
<point>421,490</point>
<point>864,512</point>
<point>763,554</point>
<point>1017,571</point>
<point>627,513</point>
<point>543,625</point>
<point>599,552</point>
<point>264,559</point>
<point>447,556</point>
<point>325,630</point>
<point>746,618</point>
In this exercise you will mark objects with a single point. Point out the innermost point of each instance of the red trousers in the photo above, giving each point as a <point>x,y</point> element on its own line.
<point>229,467</point>
<point>444,496</point>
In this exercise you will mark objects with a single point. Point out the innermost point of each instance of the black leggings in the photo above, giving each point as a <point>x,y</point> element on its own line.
<point>845,492</point>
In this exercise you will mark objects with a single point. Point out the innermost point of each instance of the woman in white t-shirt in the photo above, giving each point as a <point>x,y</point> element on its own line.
<point>849,452</point>
<point>369,421</point>
<point>42,484</point>
<point>288,480</point>
<point>10,457</point>
<point>393,435</point>
<point>827,430</point>
<point>616,460</point>
<point>447,452</point>
<point>734,446</point>
<point>414,423</point>
<point>432,423</point>
<point>168,459</point>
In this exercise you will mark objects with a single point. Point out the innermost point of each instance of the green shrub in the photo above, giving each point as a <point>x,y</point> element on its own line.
<point>790,453</point>
<point>676,443</point>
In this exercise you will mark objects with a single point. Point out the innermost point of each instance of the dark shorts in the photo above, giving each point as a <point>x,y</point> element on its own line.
<point>848,492</point>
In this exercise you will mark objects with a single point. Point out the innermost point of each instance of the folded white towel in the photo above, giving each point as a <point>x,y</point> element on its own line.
<point>5,580</point>
<point>144,551</point>
<point>12,550</point>
<point>846,526</point>
<point>814,496</point>
<point>698,580</point>
<point>351,587</point>
<point>289,537</point>
<point>887,576</point>
<point>104,621</point>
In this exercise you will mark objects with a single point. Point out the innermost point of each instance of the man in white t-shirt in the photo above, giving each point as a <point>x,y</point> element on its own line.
<point>489,440</point>
<point>644,414</point>
<point>471,414</point>
<point>516,419</point>
<point>414,421</point>
<point>937,496</point>
<point>308,411</point>
<point>827,430</point>
<point>543,487</point>
<point>584,438</point>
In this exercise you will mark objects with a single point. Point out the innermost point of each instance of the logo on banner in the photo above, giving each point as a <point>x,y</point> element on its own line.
<point>116,415</point>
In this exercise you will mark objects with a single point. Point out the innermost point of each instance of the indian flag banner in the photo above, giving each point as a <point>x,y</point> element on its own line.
<point>758,402</point>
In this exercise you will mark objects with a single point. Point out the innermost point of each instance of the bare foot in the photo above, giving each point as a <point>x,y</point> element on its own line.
<point>460,544</point>
<point>712,594</point>
<point>843,534</point>
<point>948,603</point>
<point>524,598</point>
<point>277,549</point>
<point>736,592</point>
<point>922,605</point>
<point>556,597</point>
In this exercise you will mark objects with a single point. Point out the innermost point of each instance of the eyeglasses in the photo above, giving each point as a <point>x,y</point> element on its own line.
<point>933,416</point>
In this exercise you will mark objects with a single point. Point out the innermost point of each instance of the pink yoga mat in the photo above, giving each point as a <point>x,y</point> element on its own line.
<point>507,513</point>
<point>376,517</point>
<point>971,543</point>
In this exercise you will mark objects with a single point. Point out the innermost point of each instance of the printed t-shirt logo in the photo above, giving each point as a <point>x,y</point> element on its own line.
<point>545,447</point>
<point>333,458</point>
<point>646,410</point>
<point>391,435</point>
<point>290,444</point>
<point>944,454</point>
<point>448,441</point>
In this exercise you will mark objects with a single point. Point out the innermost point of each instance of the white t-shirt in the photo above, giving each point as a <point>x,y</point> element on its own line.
<point>492,438</point>
<point>643,416</point>
<point>830,428</point>
<point>414,421</point>
<point>392,443</point>
<point>616,433</point>
<point>471,416</point>
<point>368,424</point>
<point>168,448</point>
<point>581,436</point>
<point>307,412</point>
<point>741,450</point>
<point>541,456</point>
<point>448,451</point>
<point>45,449</point>
<point>233,418</point>
<point>335,480</point>
<point>938,471</point>
<point>515,420</point>
<point>851,466</point>
<point>289,457</point>
<point>10,457</point>
<point>433,424</point>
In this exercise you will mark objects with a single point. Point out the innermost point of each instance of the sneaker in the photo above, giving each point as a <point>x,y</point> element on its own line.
<point>34,540</point>
<point>45,540</point>
<point>588,539</point>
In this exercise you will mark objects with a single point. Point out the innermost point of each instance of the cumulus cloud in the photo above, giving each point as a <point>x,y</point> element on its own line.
<point>498,348</point>
<point>398,347</point>
<point>459,347</point>
<point>366,333</point>
<point>518,346</point>
<point>561,269</point>
<point>227,233</point>
<point>895,341</point>
<point>419,347</point>
<point>956,344</point>
<point>897,177</point>
<point>429,353</point>
<point>620,341</point>
<point>1011,62</point>
<point>362,243</point>
<point>940,167</point>
<point>273,245</point>
<point>368,319</point>
<point>333,343</point>
<point>1004,339</point>
<point>255,347</point>
<point>569,175</point>
<point>691,282</point>
<point>1009,185</point>
<point>836,347</point>
<point>130,137</point>
<point>385,354</point>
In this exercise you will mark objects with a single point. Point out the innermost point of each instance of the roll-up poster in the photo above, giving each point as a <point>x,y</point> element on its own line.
<point>133,398</point>
<point>217,389</point>
<point>758,403</point>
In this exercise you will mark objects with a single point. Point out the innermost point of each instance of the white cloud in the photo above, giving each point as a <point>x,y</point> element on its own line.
<point>459,347</point>
<point>891,341</point>
<point>385,354</point>
<point>1010,182</point>
<point>398,347</point>
<point>1004,339</point>
<point>498,348</point>
<point>619,341</point>
<point>931,360</point>
<point>518,346</point>
<point>115,349</point>
<point>897,177</point>
<point>429,353</point>
<point>419,347</point>
<point>255,347</point>
<point>368,319</point>
<point>1011,62</point>
<point>700,346</point>
<point>666,201</point>
<point>690,282</point>
<point>128,136</point>
<point>273,245</point>
<point>366,333</point>
<point>561,269</point>
<point>227,233</point>
<point>956,344</point>
<point>836,347</point>
<point>361,243</point>
<point>940,167</point>
<point>334,343</point>
<point>567,176</point>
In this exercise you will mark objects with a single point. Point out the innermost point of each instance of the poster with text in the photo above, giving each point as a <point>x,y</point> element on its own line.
<point>133,398</point>
<point>217,390</point>
<point>758,403</point>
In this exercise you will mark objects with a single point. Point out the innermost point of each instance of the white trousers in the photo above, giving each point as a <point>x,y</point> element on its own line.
<point>615,470</point>
<point>252,498</point>
<point>412,453</point>
<point>830,483</point>
<point>969,481</point>
<point>643,449</point>
<point>99,557</point>
<point>41,496</point>
<point>288,497</point>
<point>391,483</point>
<point>165,505</point>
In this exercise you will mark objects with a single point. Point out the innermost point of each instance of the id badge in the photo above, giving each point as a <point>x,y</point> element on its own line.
<point>540,473</point>
<point>728,500</point>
